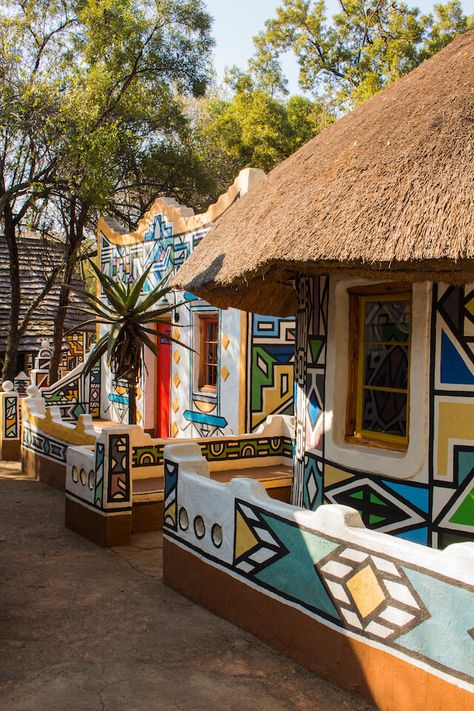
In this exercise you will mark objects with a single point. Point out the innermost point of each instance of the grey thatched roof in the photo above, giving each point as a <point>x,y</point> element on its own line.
<point>37,259</point>
<point>387,189</point>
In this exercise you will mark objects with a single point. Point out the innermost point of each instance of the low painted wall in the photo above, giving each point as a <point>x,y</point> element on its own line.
<point>270,445</point>
<point>99,490</point>
<point>139,458</point>
<point>388,619</point>
<point>46,439</point>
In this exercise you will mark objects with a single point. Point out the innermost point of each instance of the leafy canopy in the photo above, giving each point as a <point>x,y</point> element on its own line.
<point>128,318</point>
<point>254,126</point>
<point>367,44</point>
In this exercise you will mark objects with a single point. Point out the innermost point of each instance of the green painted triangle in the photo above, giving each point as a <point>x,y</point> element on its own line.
<point>357,495</point>
<point>376,519</point>
<point>464,514</point>
<point>315,345</point>
<point>377,500</point>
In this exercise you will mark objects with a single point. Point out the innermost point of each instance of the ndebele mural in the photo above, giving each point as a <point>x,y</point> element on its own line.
<point>234,368</point>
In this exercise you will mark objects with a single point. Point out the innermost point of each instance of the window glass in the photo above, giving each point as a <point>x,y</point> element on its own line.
<point>380,387</point>
<point>209,352</point>
<point>384,366</point>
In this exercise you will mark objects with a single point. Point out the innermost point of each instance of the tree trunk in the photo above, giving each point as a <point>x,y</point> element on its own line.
<point>13,340</point>
<point>132,403</point>
<point>58,331</point>
<point>75,235</point>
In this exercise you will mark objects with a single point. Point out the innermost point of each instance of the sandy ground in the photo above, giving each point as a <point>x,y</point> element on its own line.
<point>86,628</point>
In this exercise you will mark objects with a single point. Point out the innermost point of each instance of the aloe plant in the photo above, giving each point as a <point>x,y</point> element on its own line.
<point>128,318</point>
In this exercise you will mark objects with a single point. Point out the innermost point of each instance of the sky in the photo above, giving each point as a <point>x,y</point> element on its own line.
<point>236,23</point>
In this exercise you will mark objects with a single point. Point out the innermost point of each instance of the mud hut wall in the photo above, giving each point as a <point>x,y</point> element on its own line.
<point>423,494</point>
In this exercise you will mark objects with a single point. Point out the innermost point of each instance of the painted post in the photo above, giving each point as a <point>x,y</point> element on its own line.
<point>40,373</point>
<point>99,499</point>
<point>10,435</point>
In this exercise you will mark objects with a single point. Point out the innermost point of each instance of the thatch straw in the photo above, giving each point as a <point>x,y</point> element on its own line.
<point>388,188</point>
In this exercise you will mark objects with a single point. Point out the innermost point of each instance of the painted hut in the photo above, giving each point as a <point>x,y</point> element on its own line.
<point>367,235</point>
<point>233,370</point>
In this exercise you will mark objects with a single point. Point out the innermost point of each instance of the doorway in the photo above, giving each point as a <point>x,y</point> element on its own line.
<point>163,380</point>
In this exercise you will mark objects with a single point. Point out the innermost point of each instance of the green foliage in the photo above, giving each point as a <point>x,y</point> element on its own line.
<point>253,128</point>
<point>367,45</point>
<point>128,318</point>
<point>97,86</point>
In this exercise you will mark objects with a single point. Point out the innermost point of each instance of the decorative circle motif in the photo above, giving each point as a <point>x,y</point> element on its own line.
<point>83,477</point>
<point>275,443</point>
<point>199,527</point>
<point>216,535</point>
<point>7,386</point>
<point>74,474</point>
<point>183,519</point>
<point>91,479</point>
<point>216,448</point>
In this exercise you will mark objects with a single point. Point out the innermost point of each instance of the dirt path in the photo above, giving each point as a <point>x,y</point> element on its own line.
<point>85,628</point>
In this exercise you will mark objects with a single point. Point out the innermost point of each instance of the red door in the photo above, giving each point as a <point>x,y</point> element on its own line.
<point>163,381</point>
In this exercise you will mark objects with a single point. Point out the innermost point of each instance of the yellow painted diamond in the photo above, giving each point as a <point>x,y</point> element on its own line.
<point>365,590</point>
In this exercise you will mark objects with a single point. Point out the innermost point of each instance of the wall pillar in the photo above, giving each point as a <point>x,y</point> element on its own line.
<point>310,376</point>
<point>40,373</point>
<point>10,429</point>
<point>102,511</point>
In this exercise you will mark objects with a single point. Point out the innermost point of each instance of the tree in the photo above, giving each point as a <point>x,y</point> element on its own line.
<point>367,45</point>
<point>115,71</point>
<point>256,126</point>
<point>128,319</point>
<point>28,124</point>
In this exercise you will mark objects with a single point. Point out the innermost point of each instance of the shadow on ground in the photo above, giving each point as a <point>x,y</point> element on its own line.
<point>86,628</point>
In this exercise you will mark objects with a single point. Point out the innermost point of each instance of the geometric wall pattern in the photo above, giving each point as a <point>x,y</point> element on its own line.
<point>220,450</point>
<point>452,426</point>
<point>372,595</point>
<point>310,374</point>
<point>435,514</point>
<point>10,418</point>
<point>119,473</point>
<point>270,366</point>
<point>270,344</point>
<point>76,394</point>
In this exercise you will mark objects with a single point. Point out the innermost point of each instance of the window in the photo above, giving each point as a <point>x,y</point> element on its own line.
<point>208,356</point>
<point>379,366</point>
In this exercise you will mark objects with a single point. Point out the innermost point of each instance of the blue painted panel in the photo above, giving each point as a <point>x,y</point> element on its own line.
<point>453,369</point>
<point>204,419</point>
<point>419,496</point>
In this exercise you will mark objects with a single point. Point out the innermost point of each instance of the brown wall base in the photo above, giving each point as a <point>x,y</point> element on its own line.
<point>104,530</point>
<point>147,516</point>
<point>47,471</point>
<point>384,680</point>
<point>10,450</point>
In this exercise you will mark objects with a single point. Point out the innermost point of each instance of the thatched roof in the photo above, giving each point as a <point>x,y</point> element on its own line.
<point>387,189</point>
<point>37,259</point>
